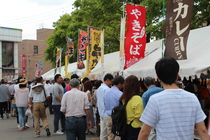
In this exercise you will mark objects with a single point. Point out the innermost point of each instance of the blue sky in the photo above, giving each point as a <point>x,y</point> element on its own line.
<point>30,15</point>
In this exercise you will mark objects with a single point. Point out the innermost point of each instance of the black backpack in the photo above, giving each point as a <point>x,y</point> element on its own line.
<point>119,121</point>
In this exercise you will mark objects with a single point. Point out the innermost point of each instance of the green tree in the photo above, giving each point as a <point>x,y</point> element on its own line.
<point>106,14</point>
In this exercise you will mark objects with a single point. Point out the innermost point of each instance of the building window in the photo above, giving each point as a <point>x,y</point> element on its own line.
<point>7,54</point>
<point>35,49</point>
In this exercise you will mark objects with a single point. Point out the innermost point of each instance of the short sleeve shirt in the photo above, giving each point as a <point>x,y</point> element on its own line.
<point>4,90</point>
<point>57,92</point>
<point>173,112</point>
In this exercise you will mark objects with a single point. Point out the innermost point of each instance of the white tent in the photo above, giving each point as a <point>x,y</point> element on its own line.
<point>112,63</point>
<point>72,68</point>
<point>198,51</point>
<point>197,62</point>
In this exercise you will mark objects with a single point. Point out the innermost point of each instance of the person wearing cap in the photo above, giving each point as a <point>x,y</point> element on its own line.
<point>75,106</point>
<point>4,99</point>
<point>21,96</point>
<point>57,94</point>
<point>37,97</point>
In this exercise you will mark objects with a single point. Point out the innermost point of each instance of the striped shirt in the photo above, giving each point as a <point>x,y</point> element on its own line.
<point>173,113</point>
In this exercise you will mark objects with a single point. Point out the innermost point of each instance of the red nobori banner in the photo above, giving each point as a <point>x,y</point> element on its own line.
<point>135,41</point>
<point>83,41</point>
<point>23,62</point>
<point>176,28</point>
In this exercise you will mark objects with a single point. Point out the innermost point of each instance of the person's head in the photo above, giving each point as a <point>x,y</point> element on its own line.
<point>22,83</point>
<point>74,83</point>
<point>29,82</point>
<point>39,79</point>
<point>18,80</point>
<point>58,79</point>
<point>118,82</point>
<point>66,80</point>
<point>108,79</point>
<point>130,88</point>
<point>88,86</point>
<point>167,70</point>
<point>84,80</point>
<point>3,81</point>
<point>98,84</point>
<point>74,76</point>
<point>149,81</point>
<point>47,81</point>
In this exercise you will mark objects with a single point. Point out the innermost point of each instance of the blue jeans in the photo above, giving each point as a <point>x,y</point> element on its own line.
<point>75,128</point>
<point>58,115</point>
<point>22,116</point>
<point>92,116</point>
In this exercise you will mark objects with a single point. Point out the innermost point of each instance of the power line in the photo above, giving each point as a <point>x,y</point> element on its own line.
<point>33,20</point>
<point>33,16</point>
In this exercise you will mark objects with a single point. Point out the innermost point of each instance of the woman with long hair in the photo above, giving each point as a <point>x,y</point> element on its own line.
<point>21,96</point>
<point>88,86</point>
<point>134,107</point>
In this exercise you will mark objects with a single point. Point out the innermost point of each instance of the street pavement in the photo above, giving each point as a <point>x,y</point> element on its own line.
<point>9,131</point>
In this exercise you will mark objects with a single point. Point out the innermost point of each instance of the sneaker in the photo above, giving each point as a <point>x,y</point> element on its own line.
<point>58,133</point>
<point>7,115</point>
<point>48,132</point>
<point>18,126</point>
<point>37,135</point>
<point>27,125</point>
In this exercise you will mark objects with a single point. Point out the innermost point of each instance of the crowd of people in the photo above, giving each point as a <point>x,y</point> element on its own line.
<point>164,110</point>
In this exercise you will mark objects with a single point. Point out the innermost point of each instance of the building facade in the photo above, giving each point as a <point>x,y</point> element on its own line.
<point>9,39</point>
<point>31,55</point>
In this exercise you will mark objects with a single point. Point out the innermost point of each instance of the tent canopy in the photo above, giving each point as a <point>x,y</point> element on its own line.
<point>197,62</point>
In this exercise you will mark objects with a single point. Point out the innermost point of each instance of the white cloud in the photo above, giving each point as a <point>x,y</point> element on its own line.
<point>30,15</point>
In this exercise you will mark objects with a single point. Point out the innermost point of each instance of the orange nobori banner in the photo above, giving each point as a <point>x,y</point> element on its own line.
<point>135,41</point>
<point>83,42</point>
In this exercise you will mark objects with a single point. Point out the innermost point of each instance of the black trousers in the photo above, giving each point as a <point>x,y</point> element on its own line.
<point>3,108</point>
<point>132,133</point>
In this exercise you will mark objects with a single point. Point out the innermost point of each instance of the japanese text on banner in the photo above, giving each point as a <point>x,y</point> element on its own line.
<point>176,28</point>
<point>95,52</point>
<point>83,41</point>
<point>135,42</point>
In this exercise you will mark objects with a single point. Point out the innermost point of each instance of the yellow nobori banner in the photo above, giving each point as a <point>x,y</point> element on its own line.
<point>95,51</point>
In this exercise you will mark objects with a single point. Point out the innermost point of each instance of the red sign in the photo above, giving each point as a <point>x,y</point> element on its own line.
<point>135,41</point>
<point>23,62</point>
<point>83,41</point>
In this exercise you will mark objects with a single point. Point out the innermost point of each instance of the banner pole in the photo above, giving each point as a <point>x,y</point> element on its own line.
<point>163,15</point>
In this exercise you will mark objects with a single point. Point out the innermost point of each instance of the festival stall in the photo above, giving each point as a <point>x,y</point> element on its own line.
<point>197,61</point>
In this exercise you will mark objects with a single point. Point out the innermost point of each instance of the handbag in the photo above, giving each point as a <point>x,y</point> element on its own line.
<point>46,102</point>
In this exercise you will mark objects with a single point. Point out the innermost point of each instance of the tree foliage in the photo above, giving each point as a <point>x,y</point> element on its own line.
<point>106,14</point>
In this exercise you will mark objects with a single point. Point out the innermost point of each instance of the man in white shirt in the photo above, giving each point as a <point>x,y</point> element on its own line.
<point>75,106</point>
<point>173,112</point>
<point>108,79</point>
